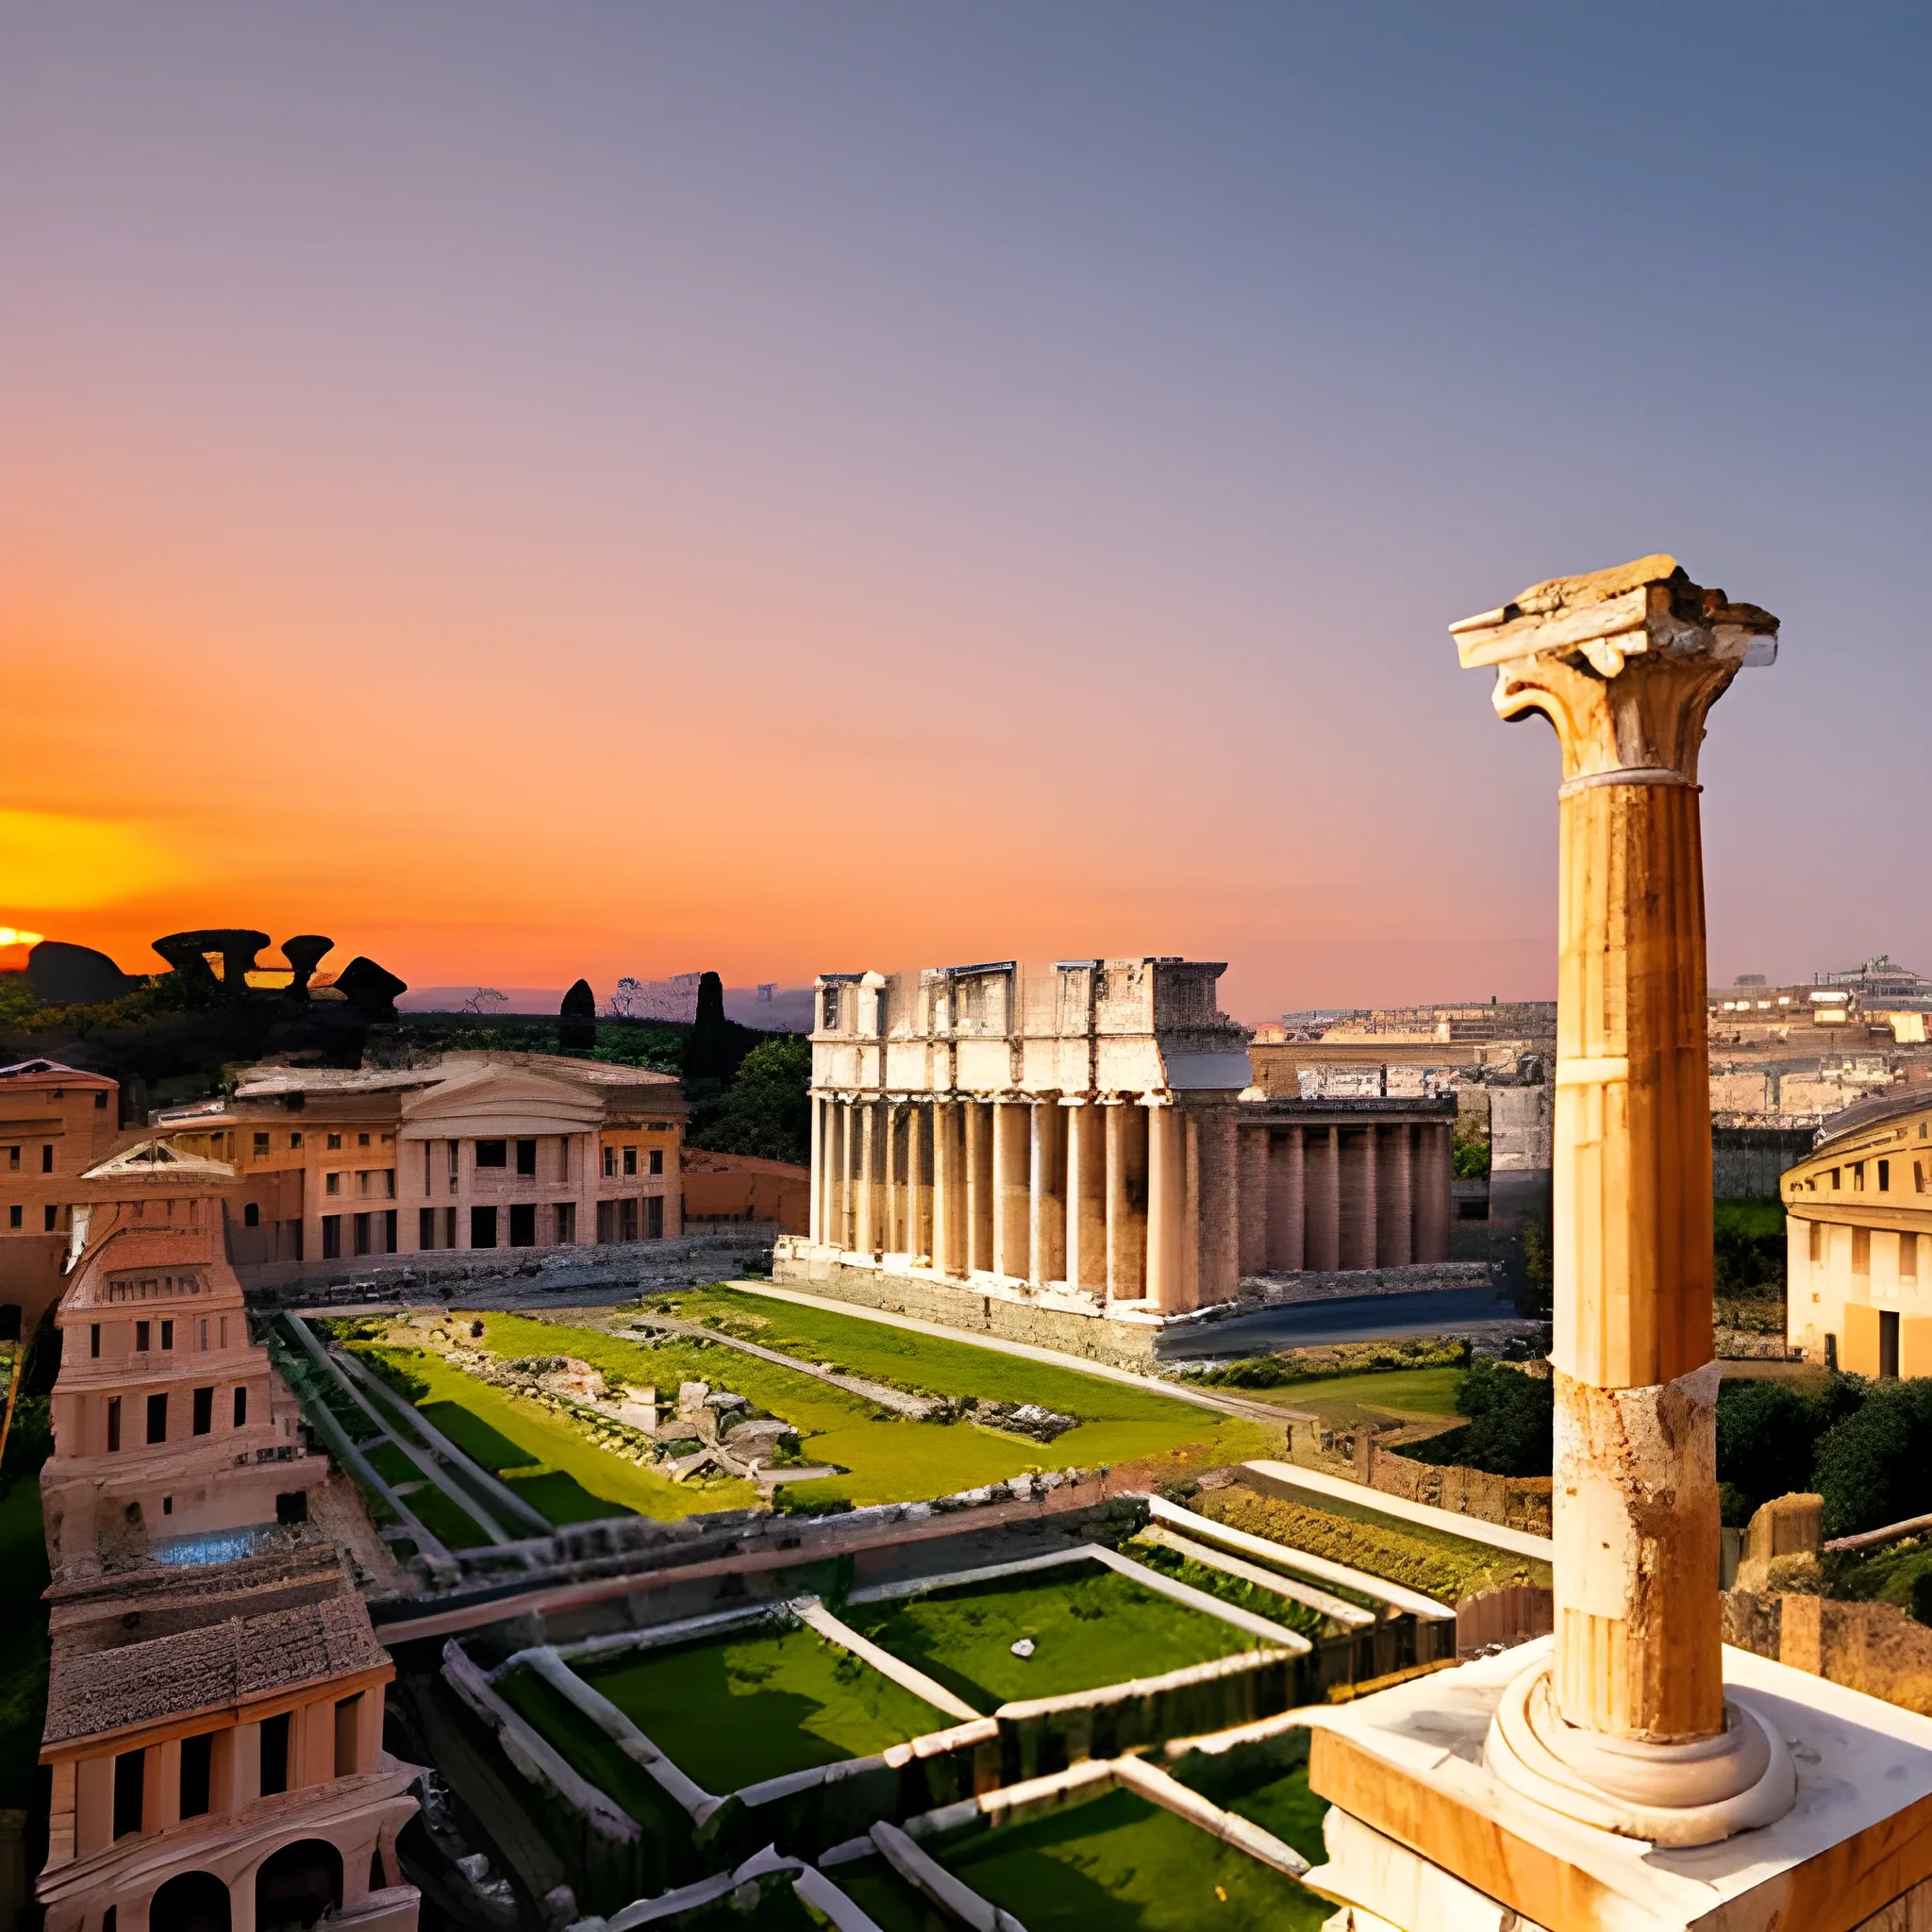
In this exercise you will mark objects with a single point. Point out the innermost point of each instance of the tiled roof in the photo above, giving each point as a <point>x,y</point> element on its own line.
<point>95,1692</point>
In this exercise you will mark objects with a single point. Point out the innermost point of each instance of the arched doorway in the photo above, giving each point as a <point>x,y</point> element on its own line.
<point>297,1885</point>
<point>190,1902</point>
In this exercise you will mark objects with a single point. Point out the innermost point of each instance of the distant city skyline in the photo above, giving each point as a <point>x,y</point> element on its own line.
<point>783,489</point>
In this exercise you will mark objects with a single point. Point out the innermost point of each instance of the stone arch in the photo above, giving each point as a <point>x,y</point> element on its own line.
<point>297,1885</point>
<point>190,1902</point>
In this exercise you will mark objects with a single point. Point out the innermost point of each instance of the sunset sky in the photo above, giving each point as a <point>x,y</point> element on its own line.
<point>551,490</point>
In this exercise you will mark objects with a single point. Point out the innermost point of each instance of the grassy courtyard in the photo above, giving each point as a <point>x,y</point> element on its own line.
<point>733,1713</point>
<point>1089,1627</point>
<point>1342,1402</point>
<point>1120,1864</point>
<point>888,1458</point>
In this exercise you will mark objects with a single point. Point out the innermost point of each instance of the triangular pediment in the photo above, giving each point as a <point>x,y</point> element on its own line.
<point>158,1161</point>
<point>492,1099</point>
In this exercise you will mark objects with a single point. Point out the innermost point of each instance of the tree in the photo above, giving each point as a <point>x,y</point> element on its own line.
<point>486,999</point>
<point>1766,1432</point>
<point>767,1110</point>
<point>1875,1466</point>
<point>1510,1423</point>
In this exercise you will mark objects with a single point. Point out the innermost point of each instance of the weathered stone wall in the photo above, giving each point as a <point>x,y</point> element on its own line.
<point>1876,1648</point>
<point>1518,1502</point>
<point>1121,1345</point>
<point>1745,1163</point>
<point>1317,1285</point>
<point>463,1273</point>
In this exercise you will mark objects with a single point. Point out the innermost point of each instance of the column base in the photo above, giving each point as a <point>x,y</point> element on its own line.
<point>1427,1837</point>
<point>1668,1794</point>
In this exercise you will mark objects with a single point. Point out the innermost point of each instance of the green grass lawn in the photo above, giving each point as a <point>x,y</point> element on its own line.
<point>885,1898</point>
<point>889,1459</point>
<point>1229,1589</point>
<point>1439,1565</point>
<point>592,1752</point>
<point>24,1670</point>
<point>734,1713</point>
<point>540,1455</point>
<point>445,1519</point>
<point>391,1464</point>
<point>1089,1627</point>
<point>1119,1862</point>
<point>1342,1401</point>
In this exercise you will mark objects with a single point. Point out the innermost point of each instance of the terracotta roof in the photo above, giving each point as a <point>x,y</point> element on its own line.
<point>92,1692</point>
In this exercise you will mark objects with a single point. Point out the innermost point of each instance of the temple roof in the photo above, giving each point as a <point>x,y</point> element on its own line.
<point>155,1159</point>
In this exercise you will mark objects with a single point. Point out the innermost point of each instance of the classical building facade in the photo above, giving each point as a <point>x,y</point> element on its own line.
<point>215,1699</point>
<point>55,1123</point>
<point>1858,1220</point>
<point>1076,1136</point>
<point>477,1149</point>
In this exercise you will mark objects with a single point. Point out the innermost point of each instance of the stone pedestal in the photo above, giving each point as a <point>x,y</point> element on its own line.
<point>1425,1838</point>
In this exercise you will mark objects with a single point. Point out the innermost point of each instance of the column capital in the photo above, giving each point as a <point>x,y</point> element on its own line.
<point>1625,664</point>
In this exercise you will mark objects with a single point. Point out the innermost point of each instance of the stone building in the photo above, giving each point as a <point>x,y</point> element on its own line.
<point>55,1123</point>
<point>475,1150</point>
<point>215,1697</point>
<point>1858,1220</point>
<point>1074,1137</point>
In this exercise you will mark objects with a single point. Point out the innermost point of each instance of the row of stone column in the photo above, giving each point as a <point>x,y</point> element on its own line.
<point>1329,1197</point>
<point>1102,1195</point>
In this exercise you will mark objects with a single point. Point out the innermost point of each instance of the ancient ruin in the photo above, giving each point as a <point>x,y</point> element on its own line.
<point>1591,1781</point>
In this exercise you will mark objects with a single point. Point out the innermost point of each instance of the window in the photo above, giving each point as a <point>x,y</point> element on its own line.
<point>1909,1257</point>
<point>292,1506</point>
<point>483,1225</point>
<point>240,1408</point>
<point>1885,1176</point>
<point>630,1160</point>
<point>388,1231</point>
<point>1833,1180</point>
<point>101,1101</point>
<point>387,1175</point>
<point>361,1140</point>
<point>627,1220</point>
<point>425,1227</point>
<point>361,1234</point>
<point>197,1767</point>
<point>13,1216</point>
<point>1817,1243</point>
<point>331,1183</point>
<point>113,1425</point>
<point>50,1218</point>
<point>261,1143</point>
<point>523,1224</point>
<point>654,1218</point>
<point>493,1153</point>
<point>1861,1251</point>
<point>831,1009</point>
<point>131,1777</point>
<point>204,1410</point>
<point>250,1214</point>
<point>348,1721</point>
<point>93,1341</point>
<point>566,1222</point>
<point>294,1140</point>
<point>609,1161</point>
<point>1888,1344</point>
<point>449,1228</point>
<point>1857,1177</point>
<point>275,1754</point>
<point>656,1160</point>
<point>143,1337</point>
<point>607,1222</point>
<point>527,1157</point>
<point>331,1236</point>
<point>167,1335</point>
<point>47,1158</point>
<point>157,1417</point>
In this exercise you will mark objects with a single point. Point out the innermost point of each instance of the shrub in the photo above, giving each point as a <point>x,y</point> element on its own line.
<point>1509,1427</point>
<point>1765,1435</point>
<point>1875,1466</point>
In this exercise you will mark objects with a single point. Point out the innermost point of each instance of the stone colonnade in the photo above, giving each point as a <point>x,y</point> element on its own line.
<point>1106,1197</point>
<point>1331,1195</point>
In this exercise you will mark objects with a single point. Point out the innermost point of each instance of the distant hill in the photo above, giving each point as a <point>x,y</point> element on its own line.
<point>787,1011</point>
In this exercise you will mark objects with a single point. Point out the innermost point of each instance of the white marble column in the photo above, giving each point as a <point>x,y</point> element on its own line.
<point>1087,1196</point>
<point>1166,1207</point>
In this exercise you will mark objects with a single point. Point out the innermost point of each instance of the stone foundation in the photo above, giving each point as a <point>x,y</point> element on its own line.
<point>1009,1314</point>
